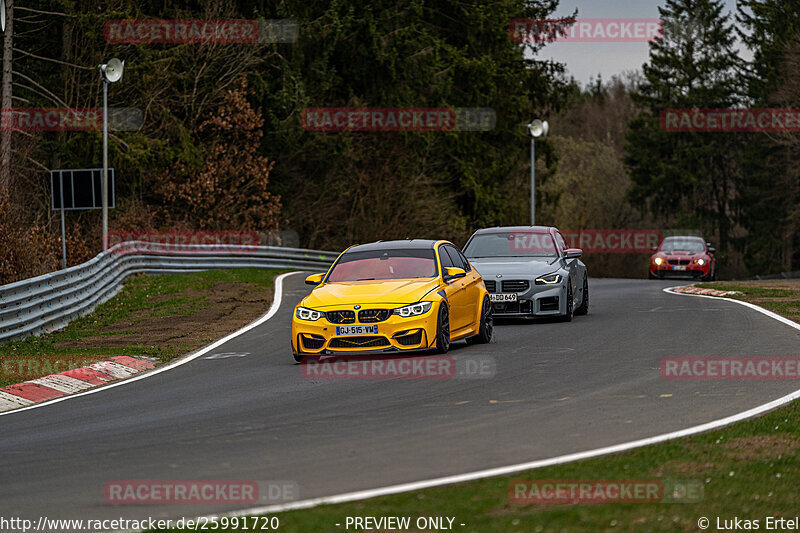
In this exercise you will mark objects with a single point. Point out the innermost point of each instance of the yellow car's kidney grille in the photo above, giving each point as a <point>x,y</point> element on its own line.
<point>368,316</point>
<point>341,317</point>
<point>359,342</point>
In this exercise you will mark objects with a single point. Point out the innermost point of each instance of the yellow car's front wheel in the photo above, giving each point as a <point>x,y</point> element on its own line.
<point>443,329</point>
<point>486,330</point>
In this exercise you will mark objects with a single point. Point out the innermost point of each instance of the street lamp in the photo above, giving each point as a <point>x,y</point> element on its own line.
<point>109,73</point>
<point>537,128</point>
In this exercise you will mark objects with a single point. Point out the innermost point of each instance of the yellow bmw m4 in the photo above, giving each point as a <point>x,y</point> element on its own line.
<point>390,296</point>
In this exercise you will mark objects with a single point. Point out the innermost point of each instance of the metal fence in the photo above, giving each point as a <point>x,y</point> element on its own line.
<point>49,302</point>
<point>783,275</point>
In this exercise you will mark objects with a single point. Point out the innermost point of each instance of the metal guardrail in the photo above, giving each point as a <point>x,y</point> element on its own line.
<point>49,302</point>
<point>783,275</point>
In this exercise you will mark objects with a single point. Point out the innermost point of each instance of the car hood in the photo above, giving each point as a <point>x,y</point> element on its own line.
<point>490,267</point>
<point>678,253</point>
<point>403,291</point>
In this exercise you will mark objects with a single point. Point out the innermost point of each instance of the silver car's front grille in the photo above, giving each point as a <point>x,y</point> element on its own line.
<point>515,285</point>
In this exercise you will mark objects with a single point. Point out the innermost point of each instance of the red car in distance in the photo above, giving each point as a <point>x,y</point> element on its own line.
<point>683,257</point>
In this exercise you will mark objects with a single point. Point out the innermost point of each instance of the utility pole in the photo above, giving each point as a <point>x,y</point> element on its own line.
<point>537,128</point>
<point>109,73</point>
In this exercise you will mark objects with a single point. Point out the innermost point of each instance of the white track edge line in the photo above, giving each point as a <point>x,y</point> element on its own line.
<point>510,469</point>
<point>276,303</point>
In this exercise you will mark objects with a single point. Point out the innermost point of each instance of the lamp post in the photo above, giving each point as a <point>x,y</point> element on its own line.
<point>537,128</point>
<point>109,73</point>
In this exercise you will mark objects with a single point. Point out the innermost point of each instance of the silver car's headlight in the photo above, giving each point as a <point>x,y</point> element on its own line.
<point>549,279</point>
<point>419,308</point>
<point>304,313</point>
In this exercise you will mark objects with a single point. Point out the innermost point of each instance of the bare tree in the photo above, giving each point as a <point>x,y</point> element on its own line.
<point>5,132</point>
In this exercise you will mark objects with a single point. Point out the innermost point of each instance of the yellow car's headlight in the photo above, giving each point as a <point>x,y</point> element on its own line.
<point>304,313</point>
<point>658,260</point>
<point>419,308</point>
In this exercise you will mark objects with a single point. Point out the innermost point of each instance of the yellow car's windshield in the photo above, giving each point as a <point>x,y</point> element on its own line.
<point>384,264</point>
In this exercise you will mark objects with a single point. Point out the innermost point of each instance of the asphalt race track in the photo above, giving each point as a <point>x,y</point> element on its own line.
<point>558,388</point>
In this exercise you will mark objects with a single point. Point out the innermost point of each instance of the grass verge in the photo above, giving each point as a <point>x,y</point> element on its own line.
<point>161,316</point>
<point>779,296</point>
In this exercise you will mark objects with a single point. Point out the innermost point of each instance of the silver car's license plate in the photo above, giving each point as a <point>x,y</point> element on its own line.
<point>508,297</point>
<point>356,330</point>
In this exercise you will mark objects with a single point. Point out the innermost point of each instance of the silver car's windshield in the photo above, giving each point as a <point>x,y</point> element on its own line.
<point>512,244</point>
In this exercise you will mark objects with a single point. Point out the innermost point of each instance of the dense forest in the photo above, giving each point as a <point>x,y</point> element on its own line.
<point>222,143</point>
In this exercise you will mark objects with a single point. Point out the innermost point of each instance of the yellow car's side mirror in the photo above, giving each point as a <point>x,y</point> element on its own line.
<point>451,273</point>
<point>314,279</point>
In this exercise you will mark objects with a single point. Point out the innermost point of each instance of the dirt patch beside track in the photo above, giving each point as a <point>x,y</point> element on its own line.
<point>225,307</point>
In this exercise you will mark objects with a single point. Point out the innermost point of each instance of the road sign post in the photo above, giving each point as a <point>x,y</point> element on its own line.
<point>78,189</point>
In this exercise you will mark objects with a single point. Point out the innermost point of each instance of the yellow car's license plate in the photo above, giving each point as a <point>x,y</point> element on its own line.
<point>356,330</point>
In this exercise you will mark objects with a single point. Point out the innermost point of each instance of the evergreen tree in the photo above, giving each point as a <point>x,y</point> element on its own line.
<point>768,27</point>
<point>771,188</point>
<point>687,179</point>
<point>423,53</point>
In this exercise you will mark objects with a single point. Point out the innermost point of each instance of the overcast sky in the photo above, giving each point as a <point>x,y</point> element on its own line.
<point>587,60</point>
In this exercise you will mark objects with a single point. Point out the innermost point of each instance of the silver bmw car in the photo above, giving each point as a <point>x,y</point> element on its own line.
<point>530,272</point>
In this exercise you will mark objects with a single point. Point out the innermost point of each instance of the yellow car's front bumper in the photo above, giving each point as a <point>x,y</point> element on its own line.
<point>319,337</point>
